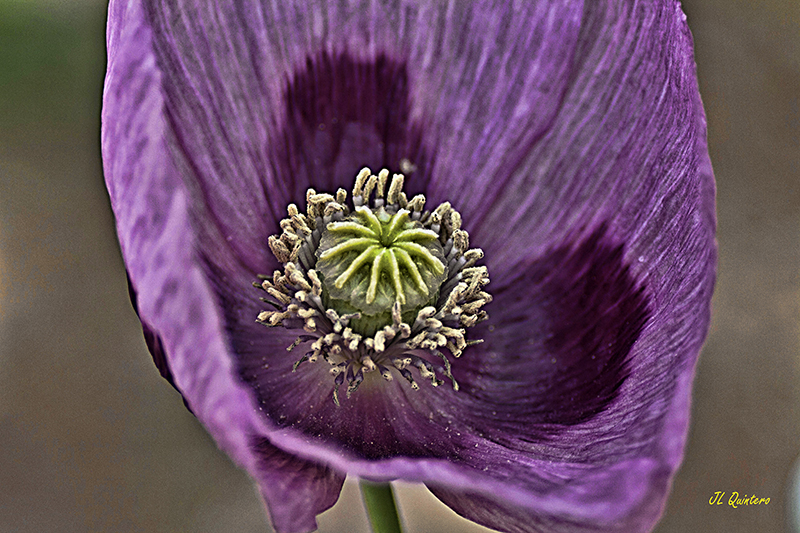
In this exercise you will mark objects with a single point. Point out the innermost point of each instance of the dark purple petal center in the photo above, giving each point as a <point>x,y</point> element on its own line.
<point>342,114</point>
<point>562,330</point>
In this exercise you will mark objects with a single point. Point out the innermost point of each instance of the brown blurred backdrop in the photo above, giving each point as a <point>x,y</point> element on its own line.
<point>93,440</point>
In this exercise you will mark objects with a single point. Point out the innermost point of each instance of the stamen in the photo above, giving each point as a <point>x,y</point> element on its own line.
<point>361,180</point>
<point>383,175</point>
<point>406,374</point>
<point>395,189</point>
<point>378,285</point>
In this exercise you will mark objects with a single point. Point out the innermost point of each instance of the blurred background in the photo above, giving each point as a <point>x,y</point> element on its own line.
<point>93,440</point>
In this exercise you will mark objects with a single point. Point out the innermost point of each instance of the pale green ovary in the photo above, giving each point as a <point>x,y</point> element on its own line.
<point>386,247</point>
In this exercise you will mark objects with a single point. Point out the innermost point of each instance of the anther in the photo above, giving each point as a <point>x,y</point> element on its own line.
<point>383,175</point>
<point>361,180</point>
<point>395,188</point>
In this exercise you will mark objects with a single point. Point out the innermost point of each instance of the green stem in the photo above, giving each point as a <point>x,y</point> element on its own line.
<point>381,507</point>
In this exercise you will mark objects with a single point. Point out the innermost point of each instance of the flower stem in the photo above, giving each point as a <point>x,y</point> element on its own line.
<point>381,507</point>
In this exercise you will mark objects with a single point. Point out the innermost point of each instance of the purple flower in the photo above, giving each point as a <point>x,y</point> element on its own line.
<point>570,136</point>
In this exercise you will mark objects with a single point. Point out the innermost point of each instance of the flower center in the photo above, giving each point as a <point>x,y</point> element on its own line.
<point>383,286</point>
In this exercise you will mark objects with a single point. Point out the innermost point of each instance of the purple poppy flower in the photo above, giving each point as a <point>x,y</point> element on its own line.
<point>569,136</point>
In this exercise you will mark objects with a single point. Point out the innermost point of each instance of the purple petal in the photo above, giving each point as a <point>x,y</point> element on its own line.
<point>624,147</point>
<point>565,508</point>
<point>294,490</point>
<point>174,300</point>
<point>646,177</point>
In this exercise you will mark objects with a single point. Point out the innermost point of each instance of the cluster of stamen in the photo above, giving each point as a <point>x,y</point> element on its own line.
<point>380,287</point>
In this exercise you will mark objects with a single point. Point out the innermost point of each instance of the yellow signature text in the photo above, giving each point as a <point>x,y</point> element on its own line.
<point>736,501</point>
